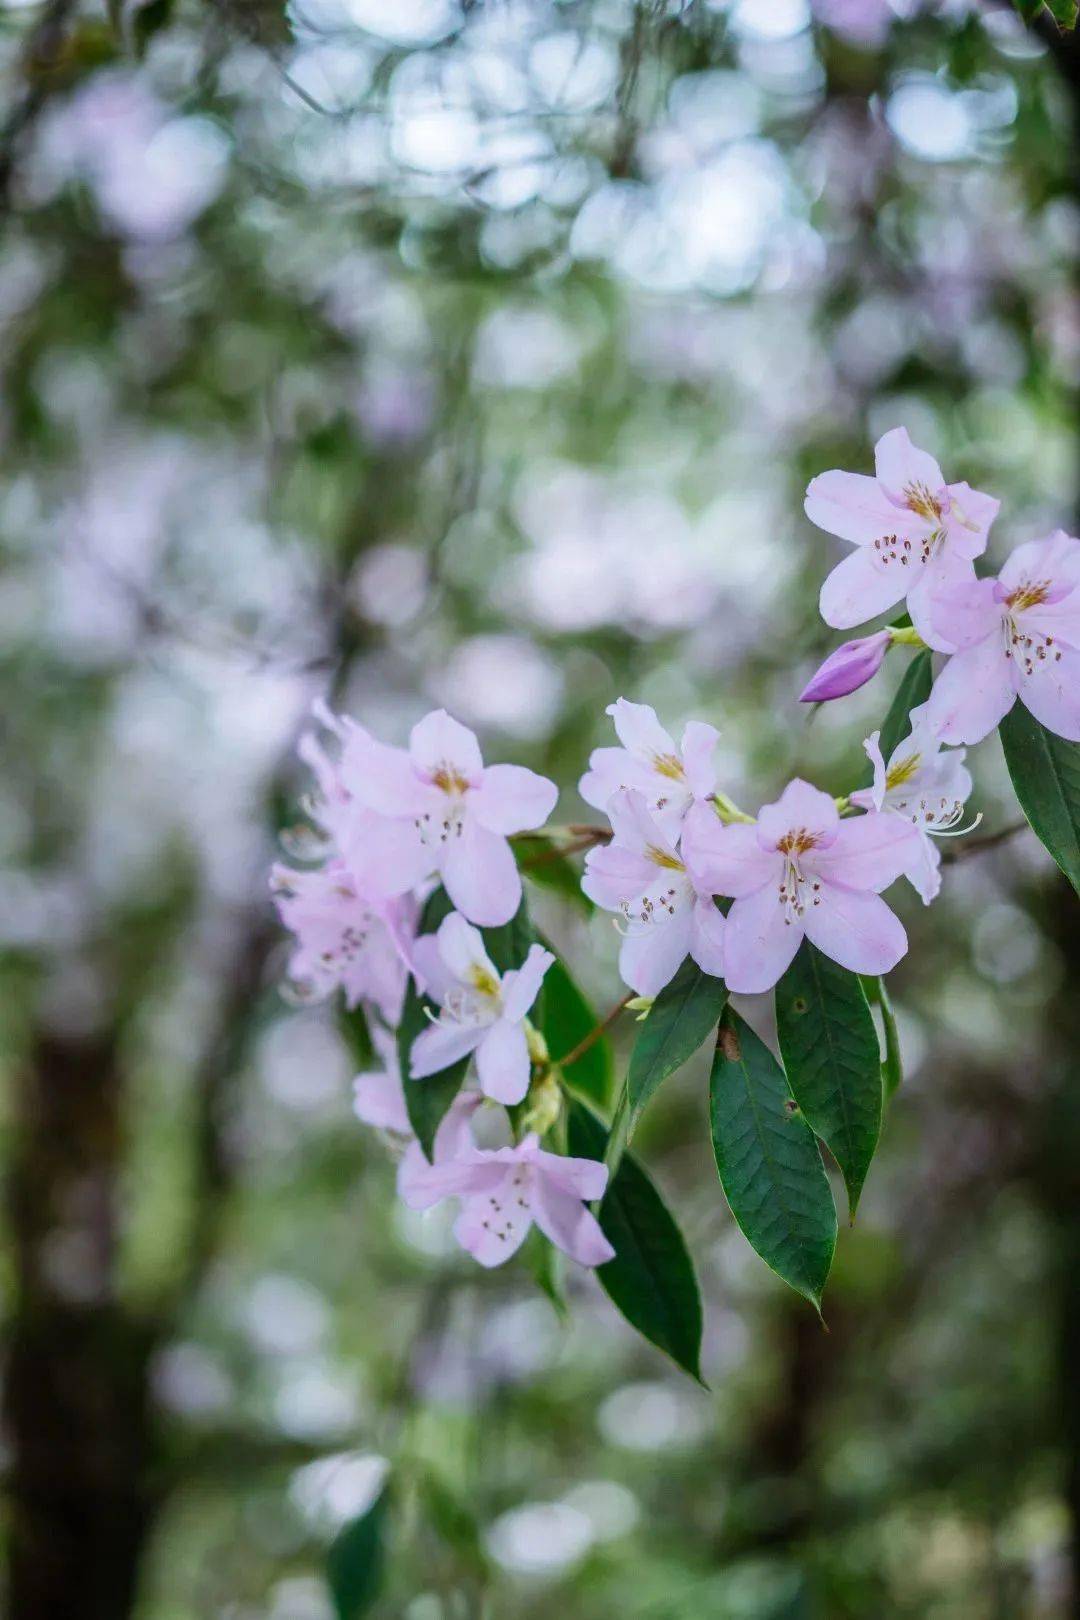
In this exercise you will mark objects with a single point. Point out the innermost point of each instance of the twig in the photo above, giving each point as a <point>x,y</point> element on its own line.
<point>589,1041</point>
<point>977,846</point>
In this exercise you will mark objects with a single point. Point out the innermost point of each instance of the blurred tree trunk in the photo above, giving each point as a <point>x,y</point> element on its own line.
<point>75,1399</point>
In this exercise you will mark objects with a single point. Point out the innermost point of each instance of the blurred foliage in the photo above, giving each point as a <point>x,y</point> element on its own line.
<point>479,355</point>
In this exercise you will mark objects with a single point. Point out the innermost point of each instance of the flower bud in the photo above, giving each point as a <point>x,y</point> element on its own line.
<point>848,668</point>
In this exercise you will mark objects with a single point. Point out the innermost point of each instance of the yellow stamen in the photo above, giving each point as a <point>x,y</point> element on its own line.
<point>902,771</point>
<point>668,765</point>
<point>660,857</point>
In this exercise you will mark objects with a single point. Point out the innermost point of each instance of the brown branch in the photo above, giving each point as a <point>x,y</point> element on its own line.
<point>979,846</point>
<point>41,57</point>
<point>589,1041</point>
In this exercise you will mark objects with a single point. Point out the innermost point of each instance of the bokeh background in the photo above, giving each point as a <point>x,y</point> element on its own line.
<point>427,352</point>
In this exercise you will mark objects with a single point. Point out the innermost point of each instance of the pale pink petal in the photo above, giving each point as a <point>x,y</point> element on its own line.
<point>433,977</point>
<point>385,855</point>
<point>800,807</point>
<point>570,1226</point>
<point>442,1044</point>
<point>638,729</point>
<point>453,1141</point>
<point>725,860</point>
<point>611,769</point>
<point>520,988</point>
<point>855,508</point>
<point>970,515</point>
<point>481,875</point>
<point>924,873</point>
<point>614,874</point>
<point>439,743</point>
<point>380,777</point>
<point>759,941</point>
<point>511,799</point>
<point>1052,693</point>
<point>847,668</point>
<point>856,929</point>
<point>861,587</point>
<point>1057,559</point>
<point>872,750</point>
<point>578,1178</point>
<point>493,1227</point>
<point>900,466</point>
<point>378,1099</point>
<point>973,693</point>
<point>472,1175</point>
<point>461,947</point>
<point>651,957</point>
<point>869,852</point>
<point>502,1062</point>
<point>956,610</point>
<point>699,742</point>
<point>707,939</point>
<point>633,826</point>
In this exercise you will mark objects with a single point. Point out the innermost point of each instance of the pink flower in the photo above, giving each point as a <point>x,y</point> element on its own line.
<point>864,22</point>
<point>481,1011</point>
<point>666,905</point>
<point>344,939</point>
<point>670,778</point>
<point>848,668</point>
<point>504,1190</point>
<point>926,786</point>
<point>441,811</point>
<point>1014,637</point>
<point>379,1100</point>
<point>801,871</point>
<point>910,527</point>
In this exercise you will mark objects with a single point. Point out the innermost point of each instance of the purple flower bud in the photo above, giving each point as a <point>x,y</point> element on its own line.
<point>848,668</point>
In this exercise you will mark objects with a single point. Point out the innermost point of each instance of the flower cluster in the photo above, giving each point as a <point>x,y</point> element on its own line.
<point>686,873</point>
<point>394,824</point>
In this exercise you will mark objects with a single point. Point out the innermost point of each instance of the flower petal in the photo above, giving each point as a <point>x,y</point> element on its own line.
<point>924,872</point>
<point>862,586</point>
<point>614,874</point>
<point>502,1062</point>
<point>1052,693</point>
<point>520,988</point>
<point>481,875</point>
<point>759,941</point>
<point>579,1178</point>
<point>633,825</point>
<point>800,808</point>
<point>725,860</point>
<point>462,949</point>
<point>707,938</point>
<point>652,954</point>
<point>380,777</point>
<point>471,1175</point>
<point>970,515</point>
<point>856,929</point>
<point>899,466</point>
<point>439,742</point>
<point>611,769</point>
<point>511,799</point>
<point>699,742</point>
<point>954,609</point>
<point>869,852</point>
<point>638,729</point>
<point>854,507</point>
<point>442,1044</point>
<point>493,1227</point>
<point>972,694</point>
<point>1057,559</point>
<point>385,855</point>
<point>570,1226</point>
<point>379,1100</point>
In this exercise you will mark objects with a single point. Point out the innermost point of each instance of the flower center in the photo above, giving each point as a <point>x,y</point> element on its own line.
<point>661,858</point>
<point>668,765</point>
<point>892,551</point>
<point>918,499</point>
<point>797,842</point>
<point>902,770</point>
<point>1032,649</point>
<point>483,982</point>
<point>1032,593</point>
<point>517,1193</point>
<point>449,779</point>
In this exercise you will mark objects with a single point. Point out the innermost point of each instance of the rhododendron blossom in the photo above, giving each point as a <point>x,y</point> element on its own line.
<point>666,905</point>
<point>926,785</point>
<point>344,939</point>
<point>669,778</point>
<point>379,1100</point>
<point>849,667</point>
<point>910,527</point>
<point>1014,637</point>
<point>482,1012</point>
<point>800,871</point>
<point>443,812</point>
<point>504,1190</point>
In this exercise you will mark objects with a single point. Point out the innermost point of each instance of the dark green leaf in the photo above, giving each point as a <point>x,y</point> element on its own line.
<point>651,1279</point>
<point>769,1161</point>
<point>913,690</point>
<point>508,945</point>
<point>678,1023</point>
<point>355,1561</point>
<point>352,1021</point>
<point>892,1067</point>
<point>544,1260</point>
<point>565,1019</point>
<point>830,1050</point>
<point>426,1101</point>
<point>1045,772</point>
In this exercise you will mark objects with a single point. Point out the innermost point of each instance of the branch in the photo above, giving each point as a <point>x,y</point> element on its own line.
<point>589,1041</point>
<point>978,846</point>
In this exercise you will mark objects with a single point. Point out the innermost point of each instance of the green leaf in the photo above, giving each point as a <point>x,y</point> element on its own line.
<point>1064,12</point>
<point>769,1162</point>
<point>651,1279</point>
<point>546,866</point>
<point>679,1021</point>
<point>892,1067</point>
<point>830,1050</point>
<point>913,690</point>
<point>353,1024</point>
<point>1045,772</point>
<point>508,945</point>
<point>544,1261</point>
<point>427,1100</point>
<point>565,1019</point>
<point>355,1562</point>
